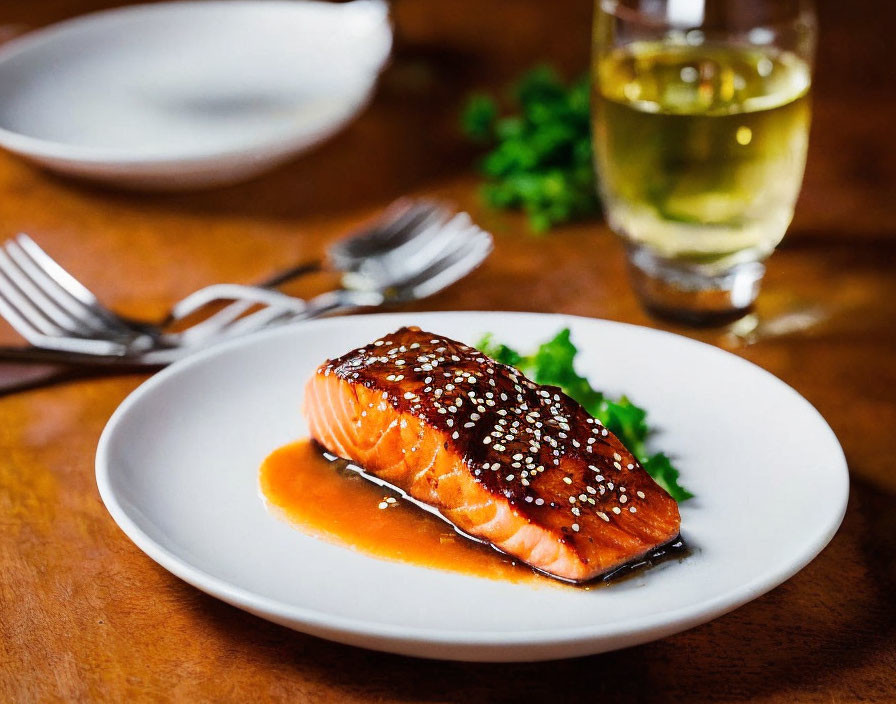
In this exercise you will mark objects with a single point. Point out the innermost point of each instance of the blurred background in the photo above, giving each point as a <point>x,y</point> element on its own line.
<point>444,49</point>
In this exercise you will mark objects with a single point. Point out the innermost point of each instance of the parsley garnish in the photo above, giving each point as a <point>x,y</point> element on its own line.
<point>540,159</point>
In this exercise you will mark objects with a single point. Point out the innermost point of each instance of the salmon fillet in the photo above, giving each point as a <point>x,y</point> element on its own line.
<point>508,461</point>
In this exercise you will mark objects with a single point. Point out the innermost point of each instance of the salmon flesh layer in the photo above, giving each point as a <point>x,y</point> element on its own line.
<point>519,465</point>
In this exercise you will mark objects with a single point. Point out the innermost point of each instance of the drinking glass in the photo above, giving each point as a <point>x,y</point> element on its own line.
<point>700,124</point>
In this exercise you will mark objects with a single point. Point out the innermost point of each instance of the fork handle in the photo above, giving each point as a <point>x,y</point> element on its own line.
<point>293,273</point>
<point>38,356</point>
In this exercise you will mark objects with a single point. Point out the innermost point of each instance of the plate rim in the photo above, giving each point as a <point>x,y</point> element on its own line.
<point>643,628</point>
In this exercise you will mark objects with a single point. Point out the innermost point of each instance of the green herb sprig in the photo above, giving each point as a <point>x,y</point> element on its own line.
<point>554,364</point>
<point>540,158</point>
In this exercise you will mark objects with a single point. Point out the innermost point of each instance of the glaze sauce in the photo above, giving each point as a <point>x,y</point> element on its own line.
<point>325,498</point>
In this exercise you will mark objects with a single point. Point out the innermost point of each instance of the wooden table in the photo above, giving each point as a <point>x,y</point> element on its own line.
<point>85,616</point>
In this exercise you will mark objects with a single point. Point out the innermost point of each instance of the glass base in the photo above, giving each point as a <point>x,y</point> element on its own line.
<point>690,293</point>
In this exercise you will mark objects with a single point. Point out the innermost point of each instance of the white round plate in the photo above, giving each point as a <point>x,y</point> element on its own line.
<point>189,94</point>
<point>177,467</point>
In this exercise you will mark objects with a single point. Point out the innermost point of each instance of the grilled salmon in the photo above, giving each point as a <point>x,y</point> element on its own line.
<point>516,464</point>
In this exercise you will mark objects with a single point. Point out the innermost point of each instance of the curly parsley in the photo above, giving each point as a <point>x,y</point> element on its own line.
<point>540,159</point>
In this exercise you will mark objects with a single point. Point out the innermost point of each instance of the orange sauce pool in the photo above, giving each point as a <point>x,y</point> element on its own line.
<point>338,505</point>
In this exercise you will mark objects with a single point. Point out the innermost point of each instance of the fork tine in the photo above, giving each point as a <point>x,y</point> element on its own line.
<point>443,237</point>
<point>409,235</point>
<point>19,323</point>
<point>55,270</point>
<point>432,236</point>
<point>469,252</point>
<point>397,227</point>
<point>216,322</point>
<point>36,319</point>
<point>223,321</point>
<point>23,325</point>
<point>255,321</point>
<point>67,291</point>
<point>19,276</point>
<point>439,237</point>
<point>238,292</point>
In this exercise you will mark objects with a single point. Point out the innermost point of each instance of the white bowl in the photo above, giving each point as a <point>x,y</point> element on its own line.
<point>189,94</point>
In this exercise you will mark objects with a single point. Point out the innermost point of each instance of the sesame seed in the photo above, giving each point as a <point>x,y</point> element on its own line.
<point>575,527</point>
<point>640,494</point>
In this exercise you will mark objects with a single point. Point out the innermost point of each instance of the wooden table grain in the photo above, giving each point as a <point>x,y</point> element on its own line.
<point>85,616</point>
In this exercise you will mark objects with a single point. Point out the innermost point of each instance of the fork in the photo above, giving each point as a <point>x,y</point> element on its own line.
<point>459,248</point>
<point>51,309</point>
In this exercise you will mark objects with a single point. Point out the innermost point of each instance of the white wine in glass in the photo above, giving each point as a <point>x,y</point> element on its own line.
<point>701,124</point>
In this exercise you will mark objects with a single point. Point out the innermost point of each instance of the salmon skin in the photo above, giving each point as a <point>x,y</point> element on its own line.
<point>516,464</point>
